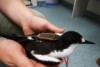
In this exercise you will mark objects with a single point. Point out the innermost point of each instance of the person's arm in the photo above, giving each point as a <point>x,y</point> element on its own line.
<point>21,15</point>
<point>16,10</point>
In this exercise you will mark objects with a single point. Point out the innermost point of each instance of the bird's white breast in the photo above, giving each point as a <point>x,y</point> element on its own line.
<point>65,52</point>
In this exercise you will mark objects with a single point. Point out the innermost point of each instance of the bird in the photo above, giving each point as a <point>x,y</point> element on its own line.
<point>49,48</point>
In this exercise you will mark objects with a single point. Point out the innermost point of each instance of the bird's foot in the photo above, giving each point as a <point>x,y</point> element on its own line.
<point>64,60</point>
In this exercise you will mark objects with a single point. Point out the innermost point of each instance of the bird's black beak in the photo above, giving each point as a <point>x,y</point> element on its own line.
<point>87,42</point>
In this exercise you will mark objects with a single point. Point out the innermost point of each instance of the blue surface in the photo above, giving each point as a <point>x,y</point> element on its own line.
<point>84,55</point>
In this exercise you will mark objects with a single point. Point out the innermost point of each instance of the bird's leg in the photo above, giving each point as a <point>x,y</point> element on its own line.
<point>66,59</point>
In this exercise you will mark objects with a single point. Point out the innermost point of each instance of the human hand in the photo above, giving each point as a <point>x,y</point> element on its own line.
<point>25,18</point>
<point>37,24</point>
<point>11,52</point>
<point>13,55</point>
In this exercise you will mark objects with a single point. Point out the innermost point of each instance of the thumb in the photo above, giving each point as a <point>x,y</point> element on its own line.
<point>27,30</point>
<point>53,28</point>
<point>23,61</point>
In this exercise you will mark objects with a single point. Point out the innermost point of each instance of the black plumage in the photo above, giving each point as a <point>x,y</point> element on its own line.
<point>45,47</point>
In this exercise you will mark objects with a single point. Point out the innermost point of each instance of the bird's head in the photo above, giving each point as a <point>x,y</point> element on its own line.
<point>72,37</point>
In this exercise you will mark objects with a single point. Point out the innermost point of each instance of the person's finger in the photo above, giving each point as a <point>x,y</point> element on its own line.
<point>19,57</point>
<point>53,28</point>
<point>23,61</point>
<point>37,64</point>
<point>10,64</point>
<point>27,30</point>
